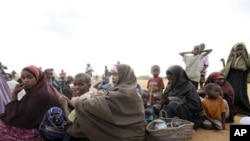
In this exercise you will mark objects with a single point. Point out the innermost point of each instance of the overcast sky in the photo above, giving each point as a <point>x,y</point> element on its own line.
<point>68,34</point>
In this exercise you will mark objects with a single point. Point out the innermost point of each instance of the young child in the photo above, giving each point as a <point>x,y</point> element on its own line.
<point>56,120</point>
<point>192,62</point>
<point>82,84</point>
<point>149,111</point>
<point>213,107</point>
<point>155,81</point>
<point>158,103</point>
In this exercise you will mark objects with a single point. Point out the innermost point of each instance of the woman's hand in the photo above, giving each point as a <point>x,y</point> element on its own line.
<point>16,90</point>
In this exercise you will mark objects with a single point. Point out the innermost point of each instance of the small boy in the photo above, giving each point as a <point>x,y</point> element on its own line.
<point>213,107</point>
<point>82,84</point>
<point>158,81</point>
<point>192,61</point>
<point>158,102</point>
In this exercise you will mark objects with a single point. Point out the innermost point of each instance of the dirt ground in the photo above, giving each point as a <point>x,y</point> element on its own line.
<point>207,135</point>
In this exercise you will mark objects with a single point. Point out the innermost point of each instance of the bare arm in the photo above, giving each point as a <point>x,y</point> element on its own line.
<point>206,52</point>
<point>63,100</point>
<point>223,62</point>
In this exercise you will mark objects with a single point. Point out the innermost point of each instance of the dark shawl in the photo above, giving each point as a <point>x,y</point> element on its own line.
<point>29,112</point>
<point>115,116</point>
<point>190,107</point>
<point>228,93</point>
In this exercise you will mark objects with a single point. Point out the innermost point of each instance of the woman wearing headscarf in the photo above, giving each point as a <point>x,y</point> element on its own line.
<point>181,98</point>
<point>236,72</point>
<point>22,118</point>
<point>228,92</point>
<point>116,115</point>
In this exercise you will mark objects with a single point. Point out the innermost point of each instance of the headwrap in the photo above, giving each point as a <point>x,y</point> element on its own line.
<point>28,112</point>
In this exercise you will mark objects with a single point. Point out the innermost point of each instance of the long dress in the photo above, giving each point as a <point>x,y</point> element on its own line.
<point>236,73</point>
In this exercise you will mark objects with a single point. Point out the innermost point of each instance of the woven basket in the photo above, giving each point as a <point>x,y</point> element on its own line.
<point>173,132</point>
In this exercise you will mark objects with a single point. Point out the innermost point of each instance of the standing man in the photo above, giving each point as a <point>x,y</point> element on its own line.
<point>106,71</point>
<point>89,70</point>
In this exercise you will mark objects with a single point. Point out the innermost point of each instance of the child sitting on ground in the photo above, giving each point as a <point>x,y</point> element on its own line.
<point>213,107</point>
<point>149,111</point>
<point>158,103</point>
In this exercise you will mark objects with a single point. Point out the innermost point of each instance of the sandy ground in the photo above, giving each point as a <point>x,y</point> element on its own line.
<point>207,135</point>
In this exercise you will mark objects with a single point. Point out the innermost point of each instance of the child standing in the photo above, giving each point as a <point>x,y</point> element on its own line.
<point>192,63</point>
<point>213,107</point>
<point>155,84</point>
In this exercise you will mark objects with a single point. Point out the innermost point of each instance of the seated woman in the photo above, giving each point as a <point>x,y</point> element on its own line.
<point>21,119</point>
<point>181,98</point>
<point>228,92</point>
<point>118,114</point>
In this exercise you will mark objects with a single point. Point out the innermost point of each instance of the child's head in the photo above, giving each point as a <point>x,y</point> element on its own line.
<point>105,80</point>
<point>49,73</point>
<point>82,83</point>
<point>196,50</point>
<point>212,90</point>
<point>145,96</point>
<point>202,46</point>
<point>155,70</point>
<point>8,76</point>
<point>158,98</point>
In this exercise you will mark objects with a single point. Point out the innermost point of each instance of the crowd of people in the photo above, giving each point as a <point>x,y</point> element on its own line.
<point>38,106</point>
